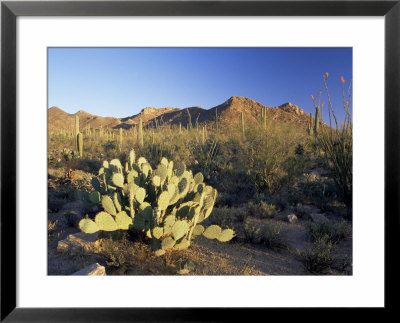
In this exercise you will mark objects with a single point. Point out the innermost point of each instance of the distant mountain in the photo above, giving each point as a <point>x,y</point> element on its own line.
<point>228,112</point>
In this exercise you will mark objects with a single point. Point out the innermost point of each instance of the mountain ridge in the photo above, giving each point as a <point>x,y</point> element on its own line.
<point>228,112</point>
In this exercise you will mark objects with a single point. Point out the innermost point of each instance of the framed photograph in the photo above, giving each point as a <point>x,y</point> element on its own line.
<point>197,158</point>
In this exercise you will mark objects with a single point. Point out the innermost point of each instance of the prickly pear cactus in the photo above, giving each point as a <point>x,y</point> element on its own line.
<point>166,203</point>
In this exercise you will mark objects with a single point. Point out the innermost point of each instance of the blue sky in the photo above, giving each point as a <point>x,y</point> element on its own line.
<point>121,81</point>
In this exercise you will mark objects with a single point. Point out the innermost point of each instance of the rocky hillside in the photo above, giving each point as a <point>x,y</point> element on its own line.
<point>228,112</point>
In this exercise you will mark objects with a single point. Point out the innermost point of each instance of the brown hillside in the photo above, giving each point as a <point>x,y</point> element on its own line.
<point>229,113</point>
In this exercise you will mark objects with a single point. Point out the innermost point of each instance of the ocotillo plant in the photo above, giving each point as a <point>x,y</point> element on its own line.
<point>140,133</point>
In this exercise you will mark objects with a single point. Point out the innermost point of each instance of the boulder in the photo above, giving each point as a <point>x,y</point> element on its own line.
<point>78,243</point>
<point>92,270</point>
<point>292,218</point>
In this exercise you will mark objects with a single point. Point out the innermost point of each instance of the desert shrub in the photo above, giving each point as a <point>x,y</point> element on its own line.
<point>251,232</point>
<point>225,217</point>
<point>320,256</point>
<point>332,231</point>
<point>261,210</point>
<point>270,234</point>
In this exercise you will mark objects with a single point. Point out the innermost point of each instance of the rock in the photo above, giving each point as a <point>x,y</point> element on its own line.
<point>92,270</point>
<point>292,218</point>
<point>78,243</point>
<point>318,218</point>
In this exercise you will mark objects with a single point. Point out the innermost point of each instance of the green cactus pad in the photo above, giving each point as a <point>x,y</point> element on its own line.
<point>141,161</point>
<point>146,211</point>
<point>138,223</point>
<point>140,194</point>
<point>169,222</point>
<point>198,178</point>
<point>118,180</point>
<point>198,230</point>
<point>164,161</point>
<point>174,180</point>
<point>108,205</point>
<point>167,243</point>
<point>207,212</point>
<point>163,201</point>
<point>180,169</point>
<point>183,185</point>
<point>162,171</point>
<point>96,184</point>
<point>184,244</point>
<point>208,202</point>
<point>115,165</point>
<point>146,169</point>
<point>95,197</point>
<point>157,232</point>
<point>208,190</point>
<point>88,226</point>
<point>105,222</point>
<point>171,190</point>
<point>226,235</point>
<point>123,220</point>
<point>156,180</point>
<point>117,201</point>
<point>212,232</point>
<point>106,164</point>
<point>101,171</point>
<point>131,176</point>
<point>179,229</point>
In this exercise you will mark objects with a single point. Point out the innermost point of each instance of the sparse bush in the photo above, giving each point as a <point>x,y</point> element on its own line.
<point>320,256</point>
<point>270,234</point>
<point>332,231</point>
<point>261,210</point>
<point>251,232</point>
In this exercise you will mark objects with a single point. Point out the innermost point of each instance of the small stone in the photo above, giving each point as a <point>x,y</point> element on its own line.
<point>92,270</point>
<point>292,218</point>
<point>78,243</point>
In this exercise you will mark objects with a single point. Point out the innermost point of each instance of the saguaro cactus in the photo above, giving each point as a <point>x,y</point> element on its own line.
<point>140,133</point>
<point>76,131</point>
<point>316,121</point>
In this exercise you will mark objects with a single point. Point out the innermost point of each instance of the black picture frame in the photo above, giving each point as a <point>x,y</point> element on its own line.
<point>10,10</point>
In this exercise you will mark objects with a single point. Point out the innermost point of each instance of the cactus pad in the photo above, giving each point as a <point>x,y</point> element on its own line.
<point>226,235</point>
<point>156,180</point>
<point>118,180</point>
<point>198,178</point>
<point>179,229</point>
<point>88,226</point>
<point>108,205</point>
<point>140,194</point>
<point>95,197</point>
<point>184,244</point>
<point>105,222</point>
<point>157,232</point>
<point>123,220</point>
<point>212,232</point>
<point>163,201</point>
<point>198,230</point>
<point>167,243</point>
